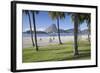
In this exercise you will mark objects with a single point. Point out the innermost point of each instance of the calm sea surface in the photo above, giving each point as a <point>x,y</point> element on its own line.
<point>48,35</point>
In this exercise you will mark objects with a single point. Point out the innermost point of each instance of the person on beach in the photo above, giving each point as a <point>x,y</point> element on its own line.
<point>50,40</point>
<point>40,39</point>
<point>53,38</point>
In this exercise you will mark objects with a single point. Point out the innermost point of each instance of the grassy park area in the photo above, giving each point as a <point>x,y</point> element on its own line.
<point>57,52</point>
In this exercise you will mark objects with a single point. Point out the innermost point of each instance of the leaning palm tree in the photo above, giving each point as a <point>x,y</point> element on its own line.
<point>87,18</point>
<point>34,26</point>
<point>30,24</point>
<point>57,16</point>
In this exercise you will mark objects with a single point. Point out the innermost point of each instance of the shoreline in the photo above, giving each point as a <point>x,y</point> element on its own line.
<point>44,41</point>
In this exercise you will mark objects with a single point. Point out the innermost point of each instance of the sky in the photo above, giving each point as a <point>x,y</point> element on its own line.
<point>43,21</point>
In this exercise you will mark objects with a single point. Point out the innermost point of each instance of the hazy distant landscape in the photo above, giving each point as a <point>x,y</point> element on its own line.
<point>53,30</point>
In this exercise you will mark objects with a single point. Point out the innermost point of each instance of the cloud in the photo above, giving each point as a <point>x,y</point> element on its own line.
<point>40,29</point>
<point>26,29</point>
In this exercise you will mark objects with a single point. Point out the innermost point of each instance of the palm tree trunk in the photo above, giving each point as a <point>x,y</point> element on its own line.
<point>89,38</point>
<point>76,35</point>
<point>31,29</point>
<point>58,31</point>
<point>35,31</point>
<point>88,32</point>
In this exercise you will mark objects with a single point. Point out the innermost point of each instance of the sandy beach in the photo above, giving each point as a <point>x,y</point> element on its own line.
<point>44,41</point>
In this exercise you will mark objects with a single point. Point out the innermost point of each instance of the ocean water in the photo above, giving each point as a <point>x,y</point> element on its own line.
<point>48,35</point>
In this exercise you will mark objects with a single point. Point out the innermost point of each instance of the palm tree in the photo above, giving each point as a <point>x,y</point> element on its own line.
<point>30,24</point>
<point>34,26</point>
<point>87,18</point>
<point>75,15</point>
<point>57,16</point>
<point>75,19</point>
<point>78,19</point>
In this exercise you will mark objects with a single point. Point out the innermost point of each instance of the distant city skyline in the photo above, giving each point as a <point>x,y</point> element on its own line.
<point>43,21</point>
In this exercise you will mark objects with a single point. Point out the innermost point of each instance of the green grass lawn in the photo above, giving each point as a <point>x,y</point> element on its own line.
<point>56,52</point>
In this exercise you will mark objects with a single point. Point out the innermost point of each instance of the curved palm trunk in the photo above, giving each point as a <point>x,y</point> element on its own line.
<point>89,33</point>
<point>31,29</point>
<point>35,31</point>
<point>76,35</point>
<point>58,31</point>
<point>89,37</point>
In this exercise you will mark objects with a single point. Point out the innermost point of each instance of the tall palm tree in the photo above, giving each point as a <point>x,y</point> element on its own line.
<point>57,16</point>
<point>75,16</point>
<point>30,24</point>
<point>75,19</point>
<point>78,19</point>
<point>34,26</point>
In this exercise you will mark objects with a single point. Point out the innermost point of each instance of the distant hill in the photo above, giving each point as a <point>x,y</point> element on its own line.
<point>51,29</point>
<point>70,31</point>
<point>85,31</point>
<point>38,32</point>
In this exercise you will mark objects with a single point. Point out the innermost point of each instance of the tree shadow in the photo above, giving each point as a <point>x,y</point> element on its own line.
<point>82,56</point>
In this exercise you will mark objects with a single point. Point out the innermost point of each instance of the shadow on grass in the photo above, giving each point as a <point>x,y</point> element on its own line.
<point>49,48</point>
<point>57,53</point>
<point>67,52</point>
<point>82,56</point>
